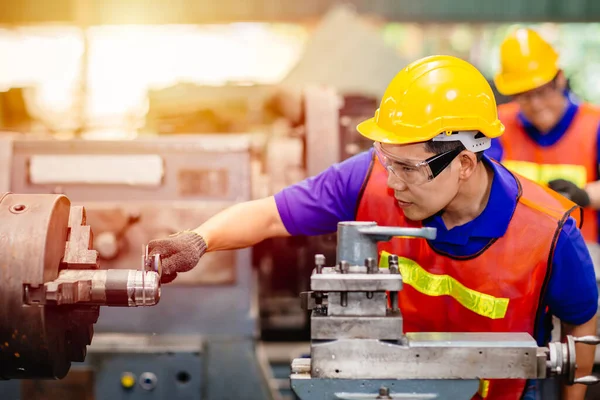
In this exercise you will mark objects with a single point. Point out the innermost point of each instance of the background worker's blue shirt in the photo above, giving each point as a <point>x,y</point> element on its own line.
<point>315,206</point>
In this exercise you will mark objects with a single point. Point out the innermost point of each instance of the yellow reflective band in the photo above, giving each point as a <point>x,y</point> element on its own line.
<point>484,388</point>
<point>544,173</point>
<point>444,285</point>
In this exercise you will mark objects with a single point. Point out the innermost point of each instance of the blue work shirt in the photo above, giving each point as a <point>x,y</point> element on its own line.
<point>550,138</point>
<point>315,206</point>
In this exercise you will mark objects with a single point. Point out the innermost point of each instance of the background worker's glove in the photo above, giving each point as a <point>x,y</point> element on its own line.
<point>179,253</point>
<point>570,191</point>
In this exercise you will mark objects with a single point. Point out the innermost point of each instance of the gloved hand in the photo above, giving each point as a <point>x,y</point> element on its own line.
<point>570,191</point>
<point>179,253</point>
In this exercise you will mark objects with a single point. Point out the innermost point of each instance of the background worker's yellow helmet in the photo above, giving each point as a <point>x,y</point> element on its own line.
<point>526,62</point>
<point>433,95</point>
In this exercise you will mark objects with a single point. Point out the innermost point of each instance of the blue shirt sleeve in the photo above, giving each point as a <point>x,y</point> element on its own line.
<point>572,293</point>
<point>495,151</point>
<point>315,205</point>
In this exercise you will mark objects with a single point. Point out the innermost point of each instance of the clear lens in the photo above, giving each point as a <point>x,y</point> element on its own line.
<point>409,171</point>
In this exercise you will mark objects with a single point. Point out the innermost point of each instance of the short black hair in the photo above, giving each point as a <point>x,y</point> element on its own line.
<point>442,147</point>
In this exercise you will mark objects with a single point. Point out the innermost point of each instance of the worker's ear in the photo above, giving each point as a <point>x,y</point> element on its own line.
<point>561,81</point>
<point>468,164</point>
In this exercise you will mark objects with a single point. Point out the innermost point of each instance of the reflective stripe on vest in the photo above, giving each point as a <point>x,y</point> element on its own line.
<point>444,285</point>
<point>544,173</point>
<point>484,388</point>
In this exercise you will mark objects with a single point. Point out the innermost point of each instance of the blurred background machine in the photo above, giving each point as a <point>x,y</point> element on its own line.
<point>200,341</point>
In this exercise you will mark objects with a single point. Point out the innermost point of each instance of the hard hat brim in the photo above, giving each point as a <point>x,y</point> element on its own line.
<point>371,130</point>
<point>508,87</point>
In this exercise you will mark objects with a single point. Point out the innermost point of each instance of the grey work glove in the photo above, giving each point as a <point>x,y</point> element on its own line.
<point>571,191</point>
<point>179,253</point>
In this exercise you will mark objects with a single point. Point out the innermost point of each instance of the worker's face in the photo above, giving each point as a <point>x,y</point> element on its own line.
<point>544,106</point>
<point>421,199</point>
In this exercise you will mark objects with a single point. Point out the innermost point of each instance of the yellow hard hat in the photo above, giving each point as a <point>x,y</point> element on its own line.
<point>526,62</point>
<point>430,96</point>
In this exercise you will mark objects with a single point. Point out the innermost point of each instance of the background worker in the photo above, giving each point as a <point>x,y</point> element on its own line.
<point>511,243</point>
<point>550,137</point>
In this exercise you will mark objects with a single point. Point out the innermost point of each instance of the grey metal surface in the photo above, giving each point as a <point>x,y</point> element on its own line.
<point>115,343</point>
<point>426,359</point>
<point>384,328</point>
<point>471,339</point>
<point>233,371</point>
<point>336,282</point>
<point>357,305</point>
<point>11,390</point>
<point>365,389</point>
<point>177,374</point>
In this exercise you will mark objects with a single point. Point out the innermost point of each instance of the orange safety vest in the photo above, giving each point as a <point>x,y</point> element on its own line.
<point>496,290</point>
<point>572,158</point>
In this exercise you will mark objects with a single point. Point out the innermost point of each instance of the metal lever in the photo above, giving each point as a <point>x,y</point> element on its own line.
<point>357,240</point>
<point>593,341</point>
<point>386,233</point>
<point>590,339</point>
<point>587,380</point>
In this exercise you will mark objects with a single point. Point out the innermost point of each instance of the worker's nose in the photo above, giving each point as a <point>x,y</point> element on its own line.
<point>395,183</point>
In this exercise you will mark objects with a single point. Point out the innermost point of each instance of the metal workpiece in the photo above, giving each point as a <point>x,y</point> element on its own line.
<point>358,304</point>
<point>113,287</point>
<point>332,281</point>
<point>52,286</point>
<point>458,357</point>
<point>357,241</point>
<point>388,327</point>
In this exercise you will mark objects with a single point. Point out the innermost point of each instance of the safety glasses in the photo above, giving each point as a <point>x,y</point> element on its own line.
<point>415,172</point>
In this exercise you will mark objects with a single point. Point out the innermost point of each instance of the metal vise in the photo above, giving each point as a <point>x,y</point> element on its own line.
<point>359,349</point>
<point>51,286</point>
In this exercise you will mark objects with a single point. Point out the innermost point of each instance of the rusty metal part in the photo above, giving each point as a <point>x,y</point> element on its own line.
<point>33,339</point>
<point>51,287</point>
<point>78,250</point>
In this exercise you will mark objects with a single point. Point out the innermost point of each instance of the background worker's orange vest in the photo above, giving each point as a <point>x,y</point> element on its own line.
<point>497,290</point>
<point>573,157</point>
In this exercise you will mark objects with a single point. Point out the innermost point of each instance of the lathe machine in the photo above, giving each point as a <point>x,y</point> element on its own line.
<point>359,350</point>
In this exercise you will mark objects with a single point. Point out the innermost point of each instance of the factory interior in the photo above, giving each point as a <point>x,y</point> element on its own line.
<point>124,122</point>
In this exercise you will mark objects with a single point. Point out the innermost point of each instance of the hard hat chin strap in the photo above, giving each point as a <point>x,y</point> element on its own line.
<point>472,140</point>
